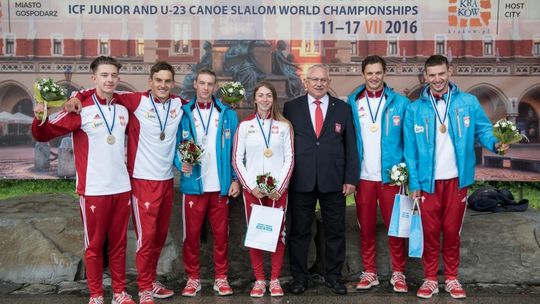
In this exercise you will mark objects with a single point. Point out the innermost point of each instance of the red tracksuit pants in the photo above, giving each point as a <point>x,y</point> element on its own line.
<point>257,255</point>
<point>443,211</point>
<point>194,210</point>
<point>368,193</point>
<point>152,207</point>
<point>105,217</point>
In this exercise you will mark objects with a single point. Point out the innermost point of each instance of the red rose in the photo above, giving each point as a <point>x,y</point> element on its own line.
<point>270,181</point>
<point>260,179</point>
<point>191,147</point>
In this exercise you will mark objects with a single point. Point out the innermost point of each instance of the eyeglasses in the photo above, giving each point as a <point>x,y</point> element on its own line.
<point>321,80</point>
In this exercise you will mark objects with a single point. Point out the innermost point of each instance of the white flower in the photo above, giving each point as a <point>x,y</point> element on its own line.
<point>394,168</point>
<point>45,89</point>
<point>513,128</point>
<point>504,124</point>
<point>402,178</point>
<point>241,92</point>
<point>230,90</point>
<point>402,165</point>
<point>497,125</point>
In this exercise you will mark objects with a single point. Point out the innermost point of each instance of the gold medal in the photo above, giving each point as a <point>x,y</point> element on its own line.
<point>442,128</point>
<point>374,127</point>
<point>162,136</point>
<point>111,140</point>
<point>268,152</point>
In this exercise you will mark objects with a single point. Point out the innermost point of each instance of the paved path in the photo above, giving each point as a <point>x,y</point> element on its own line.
<point>313,296</point>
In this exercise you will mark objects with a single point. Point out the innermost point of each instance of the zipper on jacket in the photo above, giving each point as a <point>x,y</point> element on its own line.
<point>458,124</point>
<point>427,131</point>
<point>386,124</point>
<point>433,154</point>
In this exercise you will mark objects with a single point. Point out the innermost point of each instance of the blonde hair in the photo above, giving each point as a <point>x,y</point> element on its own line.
<point>276,113</point>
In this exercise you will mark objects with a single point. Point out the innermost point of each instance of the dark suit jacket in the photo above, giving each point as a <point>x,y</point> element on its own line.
<point>330,160</point>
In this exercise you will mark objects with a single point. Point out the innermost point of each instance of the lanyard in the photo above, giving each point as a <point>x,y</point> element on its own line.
<point>434,104</point>
<point>266,139</point>
<point>164,125</point>
<point>207,126</point>
<point>94,97</point>
<point>374,119</point>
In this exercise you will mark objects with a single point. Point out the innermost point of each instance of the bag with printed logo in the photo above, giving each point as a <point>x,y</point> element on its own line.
<point>400,221</point>
<point>416,235</point>
<point>264,227</point>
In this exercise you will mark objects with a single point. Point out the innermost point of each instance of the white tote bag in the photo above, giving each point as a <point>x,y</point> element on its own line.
<point>264,227</point>
<point>400,221</point>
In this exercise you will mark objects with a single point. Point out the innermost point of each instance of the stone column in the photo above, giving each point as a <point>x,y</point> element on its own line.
<point>42,156</point>
<point>66,159</point>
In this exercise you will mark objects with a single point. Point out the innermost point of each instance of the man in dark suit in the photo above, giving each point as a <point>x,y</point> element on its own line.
<point>325,169</point>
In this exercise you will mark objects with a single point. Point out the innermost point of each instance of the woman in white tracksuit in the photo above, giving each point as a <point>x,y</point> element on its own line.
<point>263,144</point>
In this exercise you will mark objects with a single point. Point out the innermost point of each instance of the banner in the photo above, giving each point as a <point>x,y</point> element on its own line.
<point>270,20</point>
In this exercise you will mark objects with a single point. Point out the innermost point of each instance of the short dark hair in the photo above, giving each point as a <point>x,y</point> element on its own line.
<point>205,71</point>
<point>373,59</point>
<point>104,60</point>
<point>436,60</point>
<point>161,66</point>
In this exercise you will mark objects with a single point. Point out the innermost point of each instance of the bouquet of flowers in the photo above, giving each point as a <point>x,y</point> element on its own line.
<point>399,175</point>
<point>266,183</point>
<point>49,94</point>
<point>507,133</point>
<point>232,92</point>
<point>190,152</point>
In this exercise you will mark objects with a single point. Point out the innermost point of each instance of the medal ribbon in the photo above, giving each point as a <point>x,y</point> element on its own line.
<point>207,126</point>
<point>96,101</point>
<point>164,125</point>
<point>266,140</point>
<point>434,104</point>
<point>374,119</point>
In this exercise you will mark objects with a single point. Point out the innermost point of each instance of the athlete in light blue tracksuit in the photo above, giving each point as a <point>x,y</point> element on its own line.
<point>206,186</point>
<point>440,130</point>
<point>378,119</point>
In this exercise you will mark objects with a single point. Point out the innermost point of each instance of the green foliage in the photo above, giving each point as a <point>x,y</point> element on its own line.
<point>17,187</point>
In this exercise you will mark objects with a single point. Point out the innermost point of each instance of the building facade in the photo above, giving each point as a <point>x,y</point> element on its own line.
<point>504,75</point>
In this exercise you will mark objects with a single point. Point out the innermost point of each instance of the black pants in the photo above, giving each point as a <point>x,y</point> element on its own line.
<point>302,208</point>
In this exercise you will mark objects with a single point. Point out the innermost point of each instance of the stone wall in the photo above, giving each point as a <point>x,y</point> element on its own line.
<point>41,241</point>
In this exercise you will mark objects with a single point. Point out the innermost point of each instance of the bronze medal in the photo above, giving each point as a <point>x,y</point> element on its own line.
<point>268,152</point>
<point>162,136</point>
<point>442,128</point>
<point>111,140</point>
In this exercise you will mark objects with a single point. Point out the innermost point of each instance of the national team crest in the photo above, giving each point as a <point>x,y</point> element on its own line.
<point>173,113</point>
<point>337,127</point>
<point>185,134</point>
<point>396,120</point>
<point>227,133</point>
<point>122,120</point>
<point>275,129</point>
<point>467,121</point>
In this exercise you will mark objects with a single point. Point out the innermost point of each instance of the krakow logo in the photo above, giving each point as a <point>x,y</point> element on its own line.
<point>469,13</point>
